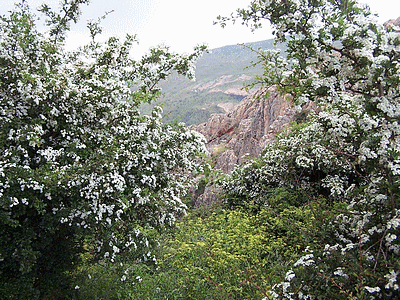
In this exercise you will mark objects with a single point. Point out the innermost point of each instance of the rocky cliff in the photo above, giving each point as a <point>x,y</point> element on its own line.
<point>242,132</point>
<point>394,24</point>
<point>246,129</point>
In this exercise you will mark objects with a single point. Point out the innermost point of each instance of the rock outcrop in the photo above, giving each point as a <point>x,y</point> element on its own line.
<point>394,23</point>
<point>243,132</point>
<point>246,129</point>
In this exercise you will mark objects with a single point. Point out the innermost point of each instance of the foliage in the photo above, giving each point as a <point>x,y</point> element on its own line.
<point>232,254</point>
<point>214,253</point>
<point>81,169</point>
<point>348,153</point>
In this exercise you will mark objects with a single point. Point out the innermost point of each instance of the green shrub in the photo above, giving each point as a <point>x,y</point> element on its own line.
<point>78,162</point>
<point>345,158</point>
<point>231,254</point>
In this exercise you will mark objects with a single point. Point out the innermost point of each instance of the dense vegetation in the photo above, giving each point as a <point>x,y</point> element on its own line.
<point>345,159</point>
<point>81,170</point>
<point>89,186</point>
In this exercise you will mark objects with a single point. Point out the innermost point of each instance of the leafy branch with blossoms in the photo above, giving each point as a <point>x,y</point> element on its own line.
<point>81,169</point>
<point>346,156</point>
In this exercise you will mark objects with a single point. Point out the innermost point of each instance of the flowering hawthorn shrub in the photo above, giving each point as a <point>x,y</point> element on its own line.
<point>346,156</point>
<point>78,162</point>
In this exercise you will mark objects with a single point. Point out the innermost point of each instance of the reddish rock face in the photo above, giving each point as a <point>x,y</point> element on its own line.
<point>246,129</point>
<point>393,23</point>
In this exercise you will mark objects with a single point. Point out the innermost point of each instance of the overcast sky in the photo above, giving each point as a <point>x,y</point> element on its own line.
<point>181,24</point>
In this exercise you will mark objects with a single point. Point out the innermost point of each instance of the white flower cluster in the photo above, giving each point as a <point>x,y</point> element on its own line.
<point>344,63</point>
<point>75,146</point>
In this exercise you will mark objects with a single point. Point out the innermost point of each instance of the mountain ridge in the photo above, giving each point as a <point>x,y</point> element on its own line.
<point>221,75</point>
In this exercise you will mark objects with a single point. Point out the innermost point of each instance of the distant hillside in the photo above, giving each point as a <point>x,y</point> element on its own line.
<point>220,76</point>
